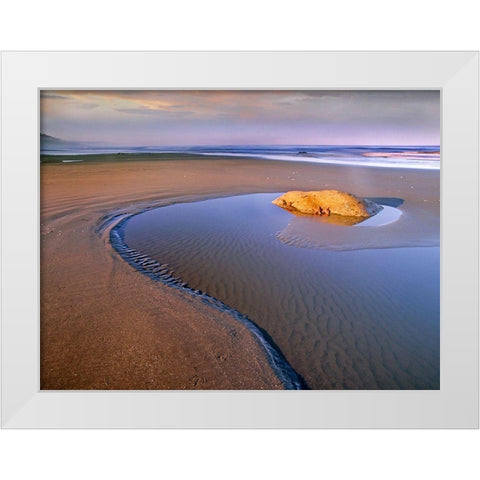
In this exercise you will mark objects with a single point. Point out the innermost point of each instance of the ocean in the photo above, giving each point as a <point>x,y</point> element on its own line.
<point>417,157</point>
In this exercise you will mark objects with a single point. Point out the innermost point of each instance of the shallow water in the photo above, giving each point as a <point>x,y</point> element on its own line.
<point>349,306</point>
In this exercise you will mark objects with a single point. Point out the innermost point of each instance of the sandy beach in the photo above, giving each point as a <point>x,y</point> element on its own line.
<point>104,325</point>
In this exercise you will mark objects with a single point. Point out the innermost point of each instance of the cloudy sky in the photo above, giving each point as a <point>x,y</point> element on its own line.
<point>315,117</point>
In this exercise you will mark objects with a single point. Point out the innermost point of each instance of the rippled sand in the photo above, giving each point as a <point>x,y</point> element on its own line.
<point>349,307</point>
<point>104,325</point>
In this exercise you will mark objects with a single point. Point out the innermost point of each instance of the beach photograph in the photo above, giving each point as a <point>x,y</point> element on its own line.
<point>239,239</point>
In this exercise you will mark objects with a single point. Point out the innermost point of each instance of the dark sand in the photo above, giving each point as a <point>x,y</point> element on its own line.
<point>104,325</point>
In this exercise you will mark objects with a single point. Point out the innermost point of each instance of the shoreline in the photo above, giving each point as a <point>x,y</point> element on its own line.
<point>430,165</point>
<point>110,337</point>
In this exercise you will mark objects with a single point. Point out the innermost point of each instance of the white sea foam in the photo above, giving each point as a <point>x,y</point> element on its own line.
<point>384,162</point>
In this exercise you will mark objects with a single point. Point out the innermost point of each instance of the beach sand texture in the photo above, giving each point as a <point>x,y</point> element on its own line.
<point>104,325</point>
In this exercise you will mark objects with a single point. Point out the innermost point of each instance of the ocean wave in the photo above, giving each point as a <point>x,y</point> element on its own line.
<point>414,157</point>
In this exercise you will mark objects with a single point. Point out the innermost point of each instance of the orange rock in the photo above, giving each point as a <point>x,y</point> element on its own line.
<point>326,202</point>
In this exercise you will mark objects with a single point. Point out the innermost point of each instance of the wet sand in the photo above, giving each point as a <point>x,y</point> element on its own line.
<point>104,325</point>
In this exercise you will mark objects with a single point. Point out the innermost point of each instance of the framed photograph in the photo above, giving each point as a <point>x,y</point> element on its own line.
<point>240,240</point>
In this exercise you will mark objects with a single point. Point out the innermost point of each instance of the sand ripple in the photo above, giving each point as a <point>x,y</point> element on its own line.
<point>362,316</point>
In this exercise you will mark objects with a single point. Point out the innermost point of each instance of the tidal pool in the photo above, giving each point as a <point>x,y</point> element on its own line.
<point>350,307</point>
